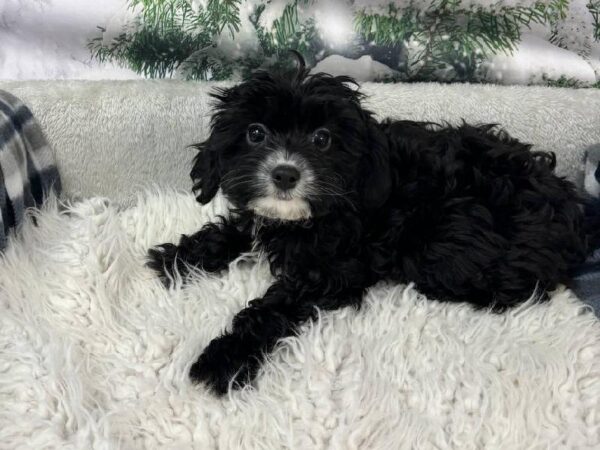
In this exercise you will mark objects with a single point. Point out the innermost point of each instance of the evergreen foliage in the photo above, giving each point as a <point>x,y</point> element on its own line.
<point>451,40</point>
<point>444,41</point>
<point>594,7</point>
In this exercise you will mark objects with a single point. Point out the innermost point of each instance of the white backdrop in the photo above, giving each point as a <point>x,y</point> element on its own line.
<point>46,39</point>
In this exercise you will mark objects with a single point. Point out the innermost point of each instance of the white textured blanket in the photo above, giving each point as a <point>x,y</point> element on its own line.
<point>94,353</point>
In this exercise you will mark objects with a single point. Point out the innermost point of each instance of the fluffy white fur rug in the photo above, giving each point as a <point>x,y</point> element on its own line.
<point>94,353</point>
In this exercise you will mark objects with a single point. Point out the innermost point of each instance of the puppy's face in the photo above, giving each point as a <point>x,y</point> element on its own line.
<point>284,172</point>
<point>289,149</point>
<point>294,155</point>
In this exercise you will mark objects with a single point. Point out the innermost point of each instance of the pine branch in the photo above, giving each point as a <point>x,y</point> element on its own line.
<point>288,32</point>
<point>220,14</point>
<point>169,37</point>
<point>594,8</point>
<point>452,39</point>
<point>451,36</point>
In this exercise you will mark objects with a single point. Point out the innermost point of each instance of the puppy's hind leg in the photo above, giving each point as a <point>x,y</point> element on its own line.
<point>210,249</point>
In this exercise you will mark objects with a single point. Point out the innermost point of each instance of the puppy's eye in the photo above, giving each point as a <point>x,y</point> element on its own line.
<point>321,139</point>
<point>256,133</point>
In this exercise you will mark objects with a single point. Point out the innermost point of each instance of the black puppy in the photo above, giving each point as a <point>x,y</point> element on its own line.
<point>338,201</point>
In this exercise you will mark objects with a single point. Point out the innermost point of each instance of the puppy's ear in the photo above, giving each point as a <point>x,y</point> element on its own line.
<point>375,178</point>
<point>207,169</point>
<point>206,172</point>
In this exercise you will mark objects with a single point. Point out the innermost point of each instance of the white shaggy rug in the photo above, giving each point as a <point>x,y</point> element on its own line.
<point>94,353</point>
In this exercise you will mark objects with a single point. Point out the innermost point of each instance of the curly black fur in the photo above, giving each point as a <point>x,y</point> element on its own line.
<point>467,213</point>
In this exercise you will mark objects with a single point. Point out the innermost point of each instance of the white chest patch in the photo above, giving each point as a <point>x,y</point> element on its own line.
<point>273,208</point>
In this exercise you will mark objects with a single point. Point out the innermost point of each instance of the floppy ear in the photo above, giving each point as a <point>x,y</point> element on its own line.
<point>375,178</point>
<point>206,172</point>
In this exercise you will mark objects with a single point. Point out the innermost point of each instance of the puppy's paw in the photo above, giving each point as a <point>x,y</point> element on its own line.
<point>227,361</point>
<point>164,260</point>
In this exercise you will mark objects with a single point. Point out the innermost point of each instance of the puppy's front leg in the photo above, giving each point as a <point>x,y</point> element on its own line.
<point>235,357</point>
<point>211,249</point>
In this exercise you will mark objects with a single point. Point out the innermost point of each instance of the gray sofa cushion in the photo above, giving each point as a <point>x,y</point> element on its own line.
<point>111,138</point>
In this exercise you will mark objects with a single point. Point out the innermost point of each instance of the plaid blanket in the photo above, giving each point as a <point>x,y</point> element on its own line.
<point>586,279</point>
<point>27,169</point>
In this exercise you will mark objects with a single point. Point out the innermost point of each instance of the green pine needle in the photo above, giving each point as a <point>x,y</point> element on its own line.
<point>594,8</point>
<point>452,40</point>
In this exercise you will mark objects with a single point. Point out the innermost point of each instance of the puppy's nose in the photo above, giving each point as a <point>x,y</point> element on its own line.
<point>285,177</point>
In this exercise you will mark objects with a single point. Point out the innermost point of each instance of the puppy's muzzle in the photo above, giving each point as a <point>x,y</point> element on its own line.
<point>285,177</point>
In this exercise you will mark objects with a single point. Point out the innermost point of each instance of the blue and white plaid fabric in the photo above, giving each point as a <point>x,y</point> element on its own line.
<point>27,168</point>
<point>586,280</point>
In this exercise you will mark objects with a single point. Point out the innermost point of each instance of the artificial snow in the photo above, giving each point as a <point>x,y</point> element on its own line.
<point>244,41</point>
<point>334,22</point>
<point>48,39</point>
<point>576,31</point>
<point>536,60</point>
<point>361,69</point>
<point>382,6</point>
<point>594,59</point>
<point>273,10</point>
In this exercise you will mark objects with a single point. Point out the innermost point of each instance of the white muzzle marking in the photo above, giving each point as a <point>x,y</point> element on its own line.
<point>275,204</point>
<point>274,208</point>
